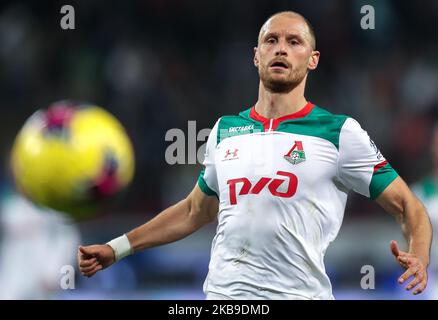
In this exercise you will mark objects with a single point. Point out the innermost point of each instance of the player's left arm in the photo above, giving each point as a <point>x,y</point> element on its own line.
<point>399,200</point>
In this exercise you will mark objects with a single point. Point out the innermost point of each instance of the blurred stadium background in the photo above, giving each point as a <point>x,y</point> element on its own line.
<point>156,65</point>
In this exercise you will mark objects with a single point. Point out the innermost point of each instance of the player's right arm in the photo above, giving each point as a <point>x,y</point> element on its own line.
<point>176,222</point>
<point>172,224</point>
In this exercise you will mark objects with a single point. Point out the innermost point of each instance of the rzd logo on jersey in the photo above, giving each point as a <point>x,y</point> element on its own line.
<point>271,184</point>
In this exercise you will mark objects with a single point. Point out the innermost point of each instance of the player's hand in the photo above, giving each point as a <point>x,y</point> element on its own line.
<point>92,259</point>
<point>415,267</point>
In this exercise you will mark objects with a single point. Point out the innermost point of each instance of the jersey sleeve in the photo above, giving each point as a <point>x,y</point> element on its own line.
<point>207,179</point>
<point>361,166</point>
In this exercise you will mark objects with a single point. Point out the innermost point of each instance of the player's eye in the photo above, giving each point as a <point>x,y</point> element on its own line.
<point>294,42</point>
<point>270,40</point>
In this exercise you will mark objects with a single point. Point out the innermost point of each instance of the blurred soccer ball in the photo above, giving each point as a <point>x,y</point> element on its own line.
<point>72,158</point>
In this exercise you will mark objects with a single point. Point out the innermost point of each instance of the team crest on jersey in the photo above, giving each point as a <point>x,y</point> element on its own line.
<point>296,154</point>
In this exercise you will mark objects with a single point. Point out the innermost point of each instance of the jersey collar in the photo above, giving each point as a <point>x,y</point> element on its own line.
<point>272,124</point>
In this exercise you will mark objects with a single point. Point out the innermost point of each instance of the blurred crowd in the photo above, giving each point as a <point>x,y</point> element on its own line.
<point>157,64</point>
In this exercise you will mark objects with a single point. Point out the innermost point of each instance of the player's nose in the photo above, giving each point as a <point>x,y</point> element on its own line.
<point>280,49</point>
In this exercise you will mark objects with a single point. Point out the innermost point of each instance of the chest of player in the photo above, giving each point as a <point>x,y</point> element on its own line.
<point>279,163</point>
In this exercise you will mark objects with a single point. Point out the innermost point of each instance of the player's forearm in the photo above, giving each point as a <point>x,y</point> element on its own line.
<point>172,224</point>
<point>417,229</point>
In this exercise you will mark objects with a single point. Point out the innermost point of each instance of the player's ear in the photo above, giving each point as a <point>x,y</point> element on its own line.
<point>256,57</point>
<point>313,60</point>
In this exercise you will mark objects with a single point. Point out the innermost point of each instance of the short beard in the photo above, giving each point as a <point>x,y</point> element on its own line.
<point>283,86</point>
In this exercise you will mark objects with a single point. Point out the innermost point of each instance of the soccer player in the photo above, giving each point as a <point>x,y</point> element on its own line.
<point>276,178</point>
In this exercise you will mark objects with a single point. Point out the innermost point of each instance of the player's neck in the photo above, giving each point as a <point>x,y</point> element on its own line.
<point>275,105</point>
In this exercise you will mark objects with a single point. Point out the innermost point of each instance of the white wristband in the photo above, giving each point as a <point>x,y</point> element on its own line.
<point>121,247</point>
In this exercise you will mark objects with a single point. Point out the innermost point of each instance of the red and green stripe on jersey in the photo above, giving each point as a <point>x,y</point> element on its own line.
<point>383,175</point>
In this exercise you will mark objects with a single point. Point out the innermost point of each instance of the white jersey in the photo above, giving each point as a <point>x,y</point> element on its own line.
<point>282,186</point>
